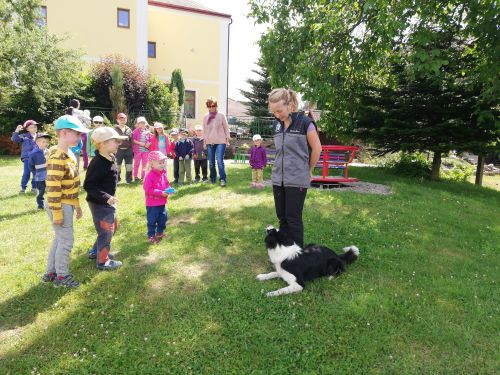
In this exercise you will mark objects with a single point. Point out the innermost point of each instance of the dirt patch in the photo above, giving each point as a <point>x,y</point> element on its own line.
<point>359,187</point>
<point>364,187</point>
<point>182,219</point>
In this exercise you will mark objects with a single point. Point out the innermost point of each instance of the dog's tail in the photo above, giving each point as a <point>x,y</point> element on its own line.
<point>351,253</point>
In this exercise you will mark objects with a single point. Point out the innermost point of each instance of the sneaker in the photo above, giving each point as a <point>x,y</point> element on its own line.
<point>253,185</point>
<point>260,186</point>
<point>109,265</point>
<point>92,254</point>
<point>22,192</point>
<point>48,277</point>
<point>34,191</point>
<point>160,236</point>
<point>40,208</point>
<point>204,181</point>
<point>222,183</point>
<point>66,281</point>
<point>153,240</point>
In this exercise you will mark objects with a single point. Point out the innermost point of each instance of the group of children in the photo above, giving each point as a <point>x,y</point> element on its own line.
<point>56,170</point>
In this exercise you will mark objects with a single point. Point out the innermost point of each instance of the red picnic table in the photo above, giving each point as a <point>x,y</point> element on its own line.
<point>335,157</point>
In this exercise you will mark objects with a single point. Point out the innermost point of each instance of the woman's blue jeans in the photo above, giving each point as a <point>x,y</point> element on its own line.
<point>216,152</point>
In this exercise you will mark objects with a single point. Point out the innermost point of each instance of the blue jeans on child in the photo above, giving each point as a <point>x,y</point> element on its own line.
<point>40,186</point>
<point>104,217</point>
<point>26,176</point>
<point>216,152</point>
<point>157,219</point>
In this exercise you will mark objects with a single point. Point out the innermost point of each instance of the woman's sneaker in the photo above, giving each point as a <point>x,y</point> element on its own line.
<point>152,240</point>
<point>109,265</point>
<point>48,277</point>
<point>66,281</point>
<point>222,183</point>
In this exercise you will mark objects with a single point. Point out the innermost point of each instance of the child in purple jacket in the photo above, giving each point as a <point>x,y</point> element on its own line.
<point>258,161</point>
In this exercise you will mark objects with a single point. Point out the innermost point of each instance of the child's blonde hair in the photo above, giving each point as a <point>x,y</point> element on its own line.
<point>288,96</point>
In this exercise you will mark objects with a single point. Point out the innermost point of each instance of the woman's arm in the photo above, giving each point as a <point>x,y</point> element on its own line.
<point>315,144</point>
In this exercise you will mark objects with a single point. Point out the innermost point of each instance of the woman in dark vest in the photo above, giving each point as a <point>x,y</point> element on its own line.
<point>297,151</point>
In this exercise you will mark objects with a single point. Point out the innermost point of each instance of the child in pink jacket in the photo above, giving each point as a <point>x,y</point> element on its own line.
<point>141,138</point>
<point>157,189</point>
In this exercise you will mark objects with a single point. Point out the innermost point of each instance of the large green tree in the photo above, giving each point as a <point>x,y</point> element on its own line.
<point>420,112</point>
<point>329,50</point>
<point>259,90</point>
<point>37,76</point>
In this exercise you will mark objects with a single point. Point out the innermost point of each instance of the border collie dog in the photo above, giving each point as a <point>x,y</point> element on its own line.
<point>296,265</point>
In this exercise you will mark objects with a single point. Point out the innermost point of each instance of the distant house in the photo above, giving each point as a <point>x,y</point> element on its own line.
<point>159,36</point>
<point>236,108</point>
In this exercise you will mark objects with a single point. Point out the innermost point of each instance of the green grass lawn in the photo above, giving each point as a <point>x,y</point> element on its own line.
<point>423,298</point>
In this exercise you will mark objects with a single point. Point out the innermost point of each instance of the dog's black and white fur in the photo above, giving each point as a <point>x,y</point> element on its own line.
<point>296,265</point>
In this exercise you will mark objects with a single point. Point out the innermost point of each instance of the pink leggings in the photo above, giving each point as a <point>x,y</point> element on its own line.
<point>138,158</point>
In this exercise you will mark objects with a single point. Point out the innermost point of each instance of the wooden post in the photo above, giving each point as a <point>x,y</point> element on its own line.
<point>480,170</point>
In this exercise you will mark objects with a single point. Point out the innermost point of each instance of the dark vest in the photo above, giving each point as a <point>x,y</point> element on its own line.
<point>291,164</point>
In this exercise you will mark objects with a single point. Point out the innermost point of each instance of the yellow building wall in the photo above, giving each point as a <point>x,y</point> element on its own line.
<point>92,26</point>
<point>189,42</point>
<point>186,41</point>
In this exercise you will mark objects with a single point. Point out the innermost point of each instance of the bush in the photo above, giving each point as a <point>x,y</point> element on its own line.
<point>456,169</point>
<point>410,164</point>
<point>134,82</point>
<point>161,104</point>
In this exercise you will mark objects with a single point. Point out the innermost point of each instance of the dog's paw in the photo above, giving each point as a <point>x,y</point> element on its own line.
<point>272,294</point>
<point>261,277</point>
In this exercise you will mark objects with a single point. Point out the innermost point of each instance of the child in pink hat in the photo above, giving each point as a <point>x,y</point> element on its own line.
<point>156,189</point>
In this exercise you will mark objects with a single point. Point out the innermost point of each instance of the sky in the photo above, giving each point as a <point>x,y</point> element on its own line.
<point>243,48</point>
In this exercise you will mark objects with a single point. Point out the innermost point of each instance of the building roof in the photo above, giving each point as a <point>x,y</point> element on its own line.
<point>236,108</point>
<point>188,6</point>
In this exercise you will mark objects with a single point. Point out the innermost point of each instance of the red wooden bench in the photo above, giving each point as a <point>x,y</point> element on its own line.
<point>335,157</point>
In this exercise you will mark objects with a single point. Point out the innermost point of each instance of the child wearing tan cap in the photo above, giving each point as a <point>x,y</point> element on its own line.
<point>100,183</point>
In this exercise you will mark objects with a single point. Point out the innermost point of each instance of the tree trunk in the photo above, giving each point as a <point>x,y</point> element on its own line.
<point>436,165</point>
<point>480,170</point>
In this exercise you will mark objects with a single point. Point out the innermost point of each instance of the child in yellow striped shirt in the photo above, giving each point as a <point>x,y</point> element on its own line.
<point>63,188</point>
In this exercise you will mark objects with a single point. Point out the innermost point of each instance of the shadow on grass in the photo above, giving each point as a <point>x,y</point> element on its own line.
<point>192,304</point>
<point>22,310</point>
<point>14,215</point>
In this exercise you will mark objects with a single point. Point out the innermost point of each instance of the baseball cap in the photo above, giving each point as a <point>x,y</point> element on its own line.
<point>43,135</point>
<point>29,122</point>
<point>158,125</point>
<point>70,122</point>
<point>97,118</point>
<point>105,133</point>
<point>198,127</point>
<point>257,137</point>
<point>156,155</point>
<point>121,114</point>
<point>174,131</point>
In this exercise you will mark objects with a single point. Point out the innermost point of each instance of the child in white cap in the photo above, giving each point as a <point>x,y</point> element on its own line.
<point>258,161</point>
<point>100,183</point>
<point>141,137</point>
<point>97,122</point>
<point>199,155</point>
